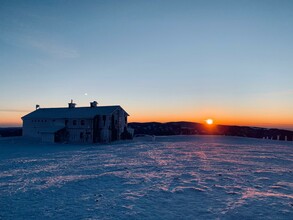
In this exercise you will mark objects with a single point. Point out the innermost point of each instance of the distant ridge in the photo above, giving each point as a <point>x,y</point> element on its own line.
<point>192,128</point>
<point>189,128</point>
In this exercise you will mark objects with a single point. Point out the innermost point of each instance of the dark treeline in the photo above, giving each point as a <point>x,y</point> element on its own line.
<point>10,132</point>
<point>191,128</point>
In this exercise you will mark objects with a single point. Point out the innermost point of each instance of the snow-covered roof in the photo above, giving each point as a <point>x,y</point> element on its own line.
<point>77,112</point>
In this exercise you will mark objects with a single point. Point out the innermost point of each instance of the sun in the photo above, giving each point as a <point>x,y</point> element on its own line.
<point>209,121</point>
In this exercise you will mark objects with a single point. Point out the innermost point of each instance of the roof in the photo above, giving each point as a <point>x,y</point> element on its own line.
<point>77,112</point>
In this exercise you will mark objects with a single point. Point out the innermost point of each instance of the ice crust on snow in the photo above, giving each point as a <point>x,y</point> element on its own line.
<point>180,177</point>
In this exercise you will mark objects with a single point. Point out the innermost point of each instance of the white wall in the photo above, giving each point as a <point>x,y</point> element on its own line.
<point>48,137</point>
<point>80,132</point>
<point>32,127</point>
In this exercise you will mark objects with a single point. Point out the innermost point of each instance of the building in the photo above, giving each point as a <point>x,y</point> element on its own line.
<point>73,124</point>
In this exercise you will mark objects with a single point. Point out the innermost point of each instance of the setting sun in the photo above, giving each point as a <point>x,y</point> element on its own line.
<point>209,121</point>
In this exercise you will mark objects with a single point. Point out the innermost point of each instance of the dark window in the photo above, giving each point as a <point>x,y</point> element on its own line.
<point>66,122</point>
<point>74,122</point>
<point>82,122</point>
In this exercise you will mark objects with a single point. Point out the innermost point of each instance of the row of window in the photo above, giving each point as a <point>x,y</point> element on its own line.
<point>82,122</point>
<point>74,122</point>
<point>66,121</point>
<point>40,120</point>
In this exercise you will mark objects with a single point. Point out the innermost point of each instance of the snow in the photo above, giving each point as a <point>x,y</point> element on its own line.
<point>179,177</point>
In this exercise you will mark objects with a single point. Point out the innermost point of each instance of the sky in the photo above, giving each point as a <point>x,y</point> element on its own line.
<point>162,60</point>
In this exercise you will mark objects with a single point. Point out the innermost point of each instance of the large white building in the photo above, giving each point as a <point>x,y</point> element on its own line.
<point>77,124</point>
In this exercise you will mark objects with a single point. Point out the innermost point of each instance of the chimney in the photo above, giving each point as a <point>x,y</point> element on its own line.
<point>37,107</point>
<point>93,104</point>
<point>71,104</point>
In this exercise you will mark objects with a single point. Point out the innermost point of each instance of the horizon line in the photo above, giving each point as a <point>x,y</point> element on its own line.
<point>280,126</point>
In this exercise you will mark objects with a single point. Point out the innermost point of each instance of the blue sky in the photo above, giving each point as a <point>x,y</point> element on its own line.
<point>161,60</point>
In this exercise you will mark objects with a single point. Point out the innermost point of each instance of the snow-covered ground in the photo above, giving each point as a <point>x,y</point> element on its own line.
<point>182,177</point>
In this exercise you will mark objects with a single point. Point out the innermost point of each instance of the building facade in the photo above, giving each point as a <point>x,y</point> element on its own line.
<point>91,124</point>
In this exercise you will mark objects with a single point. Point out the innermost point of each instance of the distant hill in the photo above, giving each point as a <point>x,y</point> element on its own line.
<point>191,128</point>
<point>9,132</point>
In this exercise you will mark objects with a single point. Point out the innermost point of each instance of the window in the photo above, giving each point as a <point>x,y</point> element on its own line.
<point>82,122</point>
<point>74,122</point>
<point>66,122</point>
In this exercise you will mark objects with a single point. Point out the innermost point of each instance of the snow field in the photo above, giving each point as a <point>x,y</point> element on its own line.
<point>179,177</point>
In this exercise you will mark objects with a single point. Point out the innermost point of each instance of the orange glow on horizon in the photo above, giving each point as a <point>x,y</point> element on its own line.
<point>267,121</point>
<point>256,119</point>
<point>11,119</point>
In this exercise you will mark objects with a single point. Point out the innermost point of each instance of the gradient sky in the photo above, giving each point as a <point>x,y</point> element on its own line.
<point>160,60</point>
